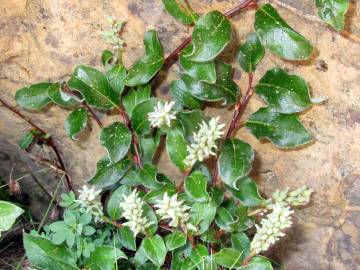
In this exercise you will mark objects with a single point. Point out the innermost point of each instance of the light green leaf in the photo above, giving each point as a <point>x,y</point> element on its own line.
<point>8,214</point>
<point>34,97</point>
<point>283,130</point>
<point>133,98</point>
<point>147,177</point>
<point>154,195</point>
<point>202,215</point>
<point>180,11</point>
<point>241,242</point>
<point>175,240</point>
<point>250,53</point>
<point>182,97</point>
<point>116,76</point>
<point>95,87</point>
<point>26,140</point>
<point>211,34</point>
<point>235,161</point>
<point>190,121</point>
<point>59,97</point>
<point>176,148</point>
<point>228,257</point>
<point>145,68</point>
<point>195,186</point>
<point>258,263</point>
<point>155,249</point>
<point>106,57</point>
<point>45,255</point>
<point>127,238</point>
<point>277,36</point>
<point>116,138</point>
<point>117,196</point>
<point>198,256</point>
<point>139,117</point>
<point>151,217</point>
<point>247,192</point>
<point>202,71</point>
<point>225,220</point>
<point>104,258</point>
<point>283,92</point>
<point>333,12</point>
<point>76,122</point>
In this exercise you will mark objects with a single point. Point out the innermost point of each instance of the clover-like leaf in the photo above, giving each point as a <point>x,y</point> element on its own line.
<point>283,130</point>
<point>277,36</point>
<point>116,138</point>
<point>95,87</point>
<point>228,257</point>
<point>9,212</point>
<point>235,161</point>
<point>76,122</point>
<point>155,250</point>
<point>224,89</point>
<point>180,11</point>
<point>176,148</point>
<point>61,98</point>
<point>116,76</point>
<point>174,240</point>
<point>283,92</point>
<point>104,258</point>
<point>247,192</point>
<point>146,67</point>
<point>34,97</point>
<point>333,12</point>
<point>250,53</point>
<point>202,71</point>
<point>182,97</point>
<point>195,186</point>
<point>211,34</point>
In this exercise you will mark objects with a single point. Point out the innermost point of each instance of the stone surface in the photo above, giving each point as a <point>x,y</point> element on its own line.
<point>44,40</point>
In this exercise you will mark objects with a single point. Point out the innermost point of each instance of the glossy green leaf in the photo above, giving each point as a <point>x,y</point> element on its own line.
<point>117,196</point>
<point>151,217</point>
<point>127,238</point>
<point>116,76</point>
<point>235,161</point>
<point>149,146</point>
<point>250,53</point>
<point>247,192</point>
<point>174,240</point>
<point>76,122</point>
<point>155,249</point>
<point>104,258</point>
<point>146,67</point>
<point>153,196</point>
<point>176,148</point>
<point>277,36</point>
<point>240,241</point>
<point>211,34</point>
<point>34,97</point>
<point>106,174</point>
<point>225,220</point>
<point>95,87</point>
<point>135,97</point>
<point>43,254</point>
<point>228,257</point>
<point>190,121</point>
<point>61,98</point>
<point>258,263</point>
<point>180,11</point>
<point>182,96</point>
<point>106,57</point>
<point>202,215</point>
<point>283,92</point>
<point>202,71</point>
<point>283,130</point>
<point>147,177</point>
<point>26,140</point>
<point>116,138</point>
<point>333,12</point>
<point>198,256</point>
<point>195,186</point>
<point>139,117</point>
<point>225,89</point>
<point>8,214</point>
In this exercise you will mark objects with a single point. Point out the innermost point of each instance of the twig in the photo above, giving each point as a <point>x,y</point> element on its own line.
<point>112,222</point>
<point>48,163</point>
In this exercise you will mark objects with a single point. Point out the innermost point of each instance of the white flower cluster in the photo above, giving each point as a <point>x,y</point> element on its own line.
<point>296,197</point>
<point>89,203</point>
<point>111,35</point>
<point>162,114</point>
<point>177,211</point>
<point>133,212</point>
<point>204,141</point>
<point>271,228</point>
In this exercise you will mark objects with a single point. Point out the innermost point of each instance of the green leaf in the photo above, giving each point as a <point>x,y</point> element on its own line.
<point>211,34</point>
<point>283,92</point>
<point>258,263</point>
<point>116,138</point>
<point>224,89</point>
<point>116,76</point>
<point>76,122</point>
<point>190,121</point>
<point>175,240</point>
<point>147,177</point>
<point>180,11</point>
<point>277,36</point>
<point>103,258</point>
<point>145,68</point>
<point>127,238</point>
<point>241,242</point>
<point>228,257</point>
<point>154,195</point>
<point>113,208</point>
<point>88,230</point>
<point>333,12</point>
<point>182,97</point>
<point>106,57</point>
<point>139,117</point>
<point>149,146</point>
<point>176,148</point>
<point>202,71</point>
<point>250,53</point>
<point>283,130</point>
<point>202,215</point>
<point>155,249</point>
<point>235,161</point>
<point>198,256</point>
<point>26,140</point>
<point>59,97</point>
<point>247,192</point>
<point>34,97</point>
<point>95,87</point>
<point>107,175</point>
<point>150,215</point>
<point>195,186</point>
<point>8,214</point>
<point>45,255</point>
<point>133,98</point>
<point>225,220</point>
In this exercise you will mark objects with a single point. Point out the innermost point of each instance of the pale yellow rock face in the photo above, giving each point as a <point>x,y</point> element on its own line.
<point>44,40</point>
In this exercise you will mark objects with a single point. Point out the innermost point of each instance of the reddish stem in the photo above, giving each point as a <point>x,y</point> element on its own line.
<point>92,112</point>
